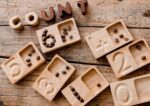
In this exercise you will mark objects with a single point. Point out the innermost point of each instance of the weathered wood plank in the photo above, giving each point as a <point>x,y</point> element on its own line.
<point>100,12</point>
<point>23,94</point>
<point>11,41</point>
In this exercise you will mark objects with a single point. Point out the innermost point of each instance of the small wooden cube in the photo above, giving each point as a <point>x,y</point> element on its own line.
<point>53,77</point>
<point>130,57</point>
<point>22,63</point>
<point>131,91</point>
<point>58,35</point>
<point>85,87</point>
<point>108,39</point>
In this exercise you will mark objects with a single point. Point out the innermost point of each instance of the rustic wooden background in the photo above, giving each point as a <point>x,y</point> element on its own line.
<point>135,13</point>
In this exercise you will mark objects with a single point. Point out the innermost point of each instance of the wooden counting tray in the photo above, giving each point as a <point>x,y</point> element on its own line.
<point>53,77</point>
<point>85,88</point>
<point>58,35</point>
<point>130,57</point>
<point>131,91</point>
<point>108,39</point>
<point>22,63</point>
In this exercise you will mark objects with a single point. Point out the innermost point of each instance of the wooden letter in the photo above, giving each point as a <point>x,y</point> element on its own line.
<point>83,5</point>
<point>47,18</point>
<point>64,11</point>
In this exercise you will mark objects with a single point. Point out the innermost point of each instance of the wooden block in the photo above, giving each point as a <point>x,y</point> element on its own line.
<point>15,23</point>
<point>108,39</point>
<point>22,63</point>
<point>131,91</point>
<point>58,35</point>
<point>85,87</point>
<point>53,77</point>
<point>130,57</point>
<point>64,11</point>
<point>47,17</point>
<point>32,18</point>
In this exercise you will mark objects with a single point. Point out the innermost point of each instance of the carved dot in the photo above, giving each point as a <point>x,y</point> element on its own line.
<point>29,64</point>
<point>67,67</point>
<point>28,60</point>
<point>147,13</point>
<point>69,28</point>
<point>98,85</point>
<point>33,51</point>
<point>72,89</point>
<point>78,97</point>
<point>38,58</point>
<point>44,39</point>
<point>57,74</point>
<point>138,47</point>
<point>43,35</point>
<point>143,57</point>
<point>117,40</point>
<point>75,93</point>
<point>48,36</point>
<point>121,36</point>
<point>64,39</point>
<point>64,72</point>
<point>115,30</point>
<point>30,54</point>
<point>63,36</point>
<point>65,32</point>
<point>65,29</point>
<point>44,43</point>
<point>71,37</point>
<point>81,100</point>
<point>45,31</point>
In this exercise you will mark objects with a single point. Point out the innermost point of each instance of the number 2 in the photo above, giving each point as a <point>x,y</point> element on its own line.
<point>122,61</point>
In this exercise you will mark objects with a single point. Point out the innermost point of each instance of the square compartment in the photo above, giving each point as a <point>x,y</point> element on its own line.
<point>93,81</point>
<point>67,31</point>
<point>118,33</point>
<point>140,52</point>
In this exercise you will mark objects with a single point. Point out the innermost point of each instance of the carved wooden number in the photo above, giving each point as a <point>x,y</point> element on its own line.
<point>130,57</point>
<point>46,85</point>
<point>121,60</point>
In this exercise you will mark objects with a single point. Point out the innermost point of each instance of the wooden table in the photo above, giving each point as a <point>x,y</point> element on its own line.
<point>100,14</point>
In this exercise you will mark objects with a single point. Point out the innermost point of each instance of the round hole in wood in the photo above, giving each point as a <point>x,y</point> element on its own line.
<point>98,85</point>
<point>16,21</point>
<point>115,30</point>
<point>31,17</point>
<point>143,57</point>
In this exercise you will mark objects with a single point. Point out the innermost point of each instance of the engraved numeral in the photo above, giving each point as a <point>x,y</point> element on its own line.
<point>122,61</point>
